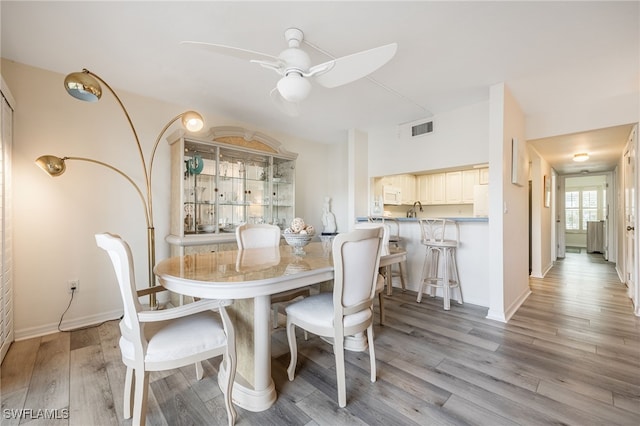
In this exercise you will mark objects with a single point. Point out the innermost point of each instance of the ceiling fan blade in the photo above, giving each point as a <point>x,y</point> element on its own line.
<point>353,67</point>
<point>236,52</point>
<point>292,109</point>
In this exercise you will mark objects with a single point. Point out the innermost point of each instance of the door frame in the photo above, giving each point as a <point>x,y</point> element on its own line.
<point>631,271</point>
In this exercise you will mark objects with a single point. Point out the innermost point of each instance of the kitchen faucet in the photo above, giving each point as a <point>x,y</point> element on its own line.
<point>412,211</point>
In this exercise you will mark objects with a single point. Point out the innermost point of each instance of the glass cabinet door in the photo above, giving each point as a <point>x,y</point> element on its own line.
<point>222,187</point>
<point>199,192</point>
<point>283,172</point>
<point>242,186</point>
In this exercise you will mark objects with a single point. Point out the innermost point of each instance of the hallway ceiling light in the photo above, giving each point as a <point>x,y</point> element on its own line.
<point>581,157</point>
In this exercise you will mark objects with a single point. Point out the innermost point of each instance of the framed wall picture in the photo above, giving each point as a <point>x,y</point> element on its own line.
<point>518,162</point>
<point>547,191</point>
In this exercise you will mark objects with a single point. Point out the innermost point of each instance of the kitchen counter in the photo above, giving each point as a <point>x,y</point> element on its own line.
<point>472,256</point>
<point>416,219</point>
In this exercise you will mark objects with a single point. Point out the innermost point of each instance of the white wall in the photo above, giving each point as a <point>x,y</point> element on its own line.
<point>358,179</point>
<point>558,120</point>
<point>508,210</point>
<point>337,174</point>
<point>460,137</point>
<point>56,218</point>
<point>541,217</point>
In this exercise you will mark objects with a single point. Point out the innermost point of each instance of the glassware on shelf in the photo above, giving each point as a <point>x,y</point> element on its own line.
<point>188,218</point>
<point>200,194</point>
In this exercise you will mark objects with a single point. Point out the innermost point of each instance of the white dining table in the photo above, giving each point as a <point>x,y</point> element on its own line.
<point>250,277</point>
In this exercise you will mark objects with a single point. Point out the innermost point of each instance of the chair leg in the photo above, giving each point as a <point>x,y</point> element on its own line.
<point>293,349</point>
<point>456,278</point>
<point>387,272</point>
<point>401,266</point>
<point>274,308</point>
<point>372,353</point>
<point>141,389</point>
<point>338,350</point>
<point>199,371</point>
<point>425,279</point>
<point>128,393</point>
<point>381,303</point>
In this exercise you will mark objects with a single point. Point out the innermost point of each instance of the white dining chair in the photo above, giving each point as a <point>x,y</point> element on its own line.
<point>385,272</point>
<point>257,235</point>
<point>168,338</point>
<point>263,235</point>
<point>396,241</point>
<point>346,311</point>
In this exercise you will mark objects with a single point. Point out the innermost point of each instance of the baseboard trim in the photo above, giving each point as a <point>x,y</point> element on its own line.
<point>506,315</point>
<point>45,329</point>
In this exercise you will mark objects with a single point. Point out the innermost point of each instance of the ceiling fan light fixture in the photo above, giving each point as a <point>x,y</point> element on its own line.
<point>581,157</point>
<point>294,87</point>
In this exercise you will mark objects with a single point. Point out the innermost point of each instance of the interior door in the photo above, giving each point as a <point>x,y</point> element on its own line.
<point>6,256</point>
<point>560,219</point>
<point>630,218</point>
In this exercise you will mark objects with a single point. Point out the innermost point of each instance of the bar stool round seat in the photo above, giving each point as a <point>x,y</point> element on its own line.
<point>441,238</point>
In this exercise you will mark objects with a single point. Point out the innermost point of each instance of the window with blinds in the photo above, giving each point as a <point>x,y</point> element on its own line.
<point>583,205</point>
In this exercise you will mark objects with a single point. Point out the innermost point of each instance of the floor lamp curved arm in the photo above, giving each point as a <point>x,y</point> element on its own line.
<point>86,86</point>
<point>126,114</point>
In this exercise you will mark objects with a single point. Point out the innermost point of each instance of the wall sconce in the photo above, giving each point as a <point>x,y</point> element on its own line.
<point>579,158</point>
<point>85,86</point>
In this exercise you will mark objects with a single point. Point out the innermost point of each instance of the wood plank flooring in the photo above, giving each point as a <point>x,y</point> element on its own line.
<point>571,355</point>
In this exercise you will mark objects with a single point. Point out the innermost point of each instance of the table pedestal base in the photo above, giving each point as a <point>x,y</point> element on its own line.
<point>246,397</point>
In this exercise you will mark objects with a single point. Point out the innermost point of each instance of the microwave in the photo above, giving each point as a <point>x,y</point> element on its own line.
<point>391,195</point>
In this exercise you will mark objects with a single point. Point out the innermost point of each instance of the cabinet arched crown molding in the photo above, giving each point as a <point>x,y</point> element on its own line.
<point>240,137</point>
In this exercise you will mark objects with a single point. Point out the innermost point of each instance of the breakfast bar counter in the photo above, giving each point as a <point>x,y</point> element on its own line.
<point>472,256</point>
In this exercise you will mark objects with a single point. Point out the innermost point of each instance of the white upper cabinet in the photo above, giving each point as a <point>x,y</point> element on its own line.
<point>436,188</point>
<point>453,187</point>
<point>470,178</point>
<point>484,176</point>
<point>406,183</point>
<point>431,189</point>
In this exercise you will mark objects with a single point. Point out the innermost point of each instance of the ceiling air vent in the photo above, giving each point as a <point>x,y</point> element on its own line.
<point>421,129</point>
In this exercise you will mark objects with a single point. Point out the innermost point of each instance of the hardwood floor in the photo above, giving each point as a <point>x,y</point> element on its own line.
<point>571,355</point>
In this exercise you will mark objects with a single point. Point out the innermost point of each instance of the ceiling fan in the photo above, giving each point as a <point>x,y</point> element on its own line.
<point>294,65</point>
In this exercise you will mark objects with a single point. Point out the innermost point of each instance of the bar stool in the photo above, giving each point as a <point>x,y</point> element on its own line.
<point>441,238</point>
<point>394,241</point>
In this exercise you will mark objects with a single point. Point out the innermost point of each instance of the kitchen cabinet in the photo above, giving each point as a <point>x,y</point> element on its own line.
<point>424,191</point>
<point>438,188</point>
<point>484,176</point>
<point>470,178</point>
<point>431,188</point>
<point>405,183</point>
<point>453,187</point>
<point>230,177</point>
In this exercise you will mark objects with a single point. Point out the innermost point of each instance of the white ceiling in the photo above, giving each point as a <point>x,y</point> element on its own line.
<point>560,54</point>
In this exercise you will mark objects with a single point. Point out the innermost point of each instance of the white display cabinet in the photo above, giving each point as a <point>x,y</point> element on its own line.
<point>230,176</point>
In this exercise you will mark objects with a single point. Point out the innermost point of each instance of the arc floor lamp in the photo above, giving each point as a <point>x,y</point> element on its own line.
<point>86,86</point>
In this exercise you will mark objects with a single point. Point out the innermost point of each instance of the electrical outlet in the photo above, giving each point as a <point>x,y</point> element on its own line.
<point>74,285</point>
